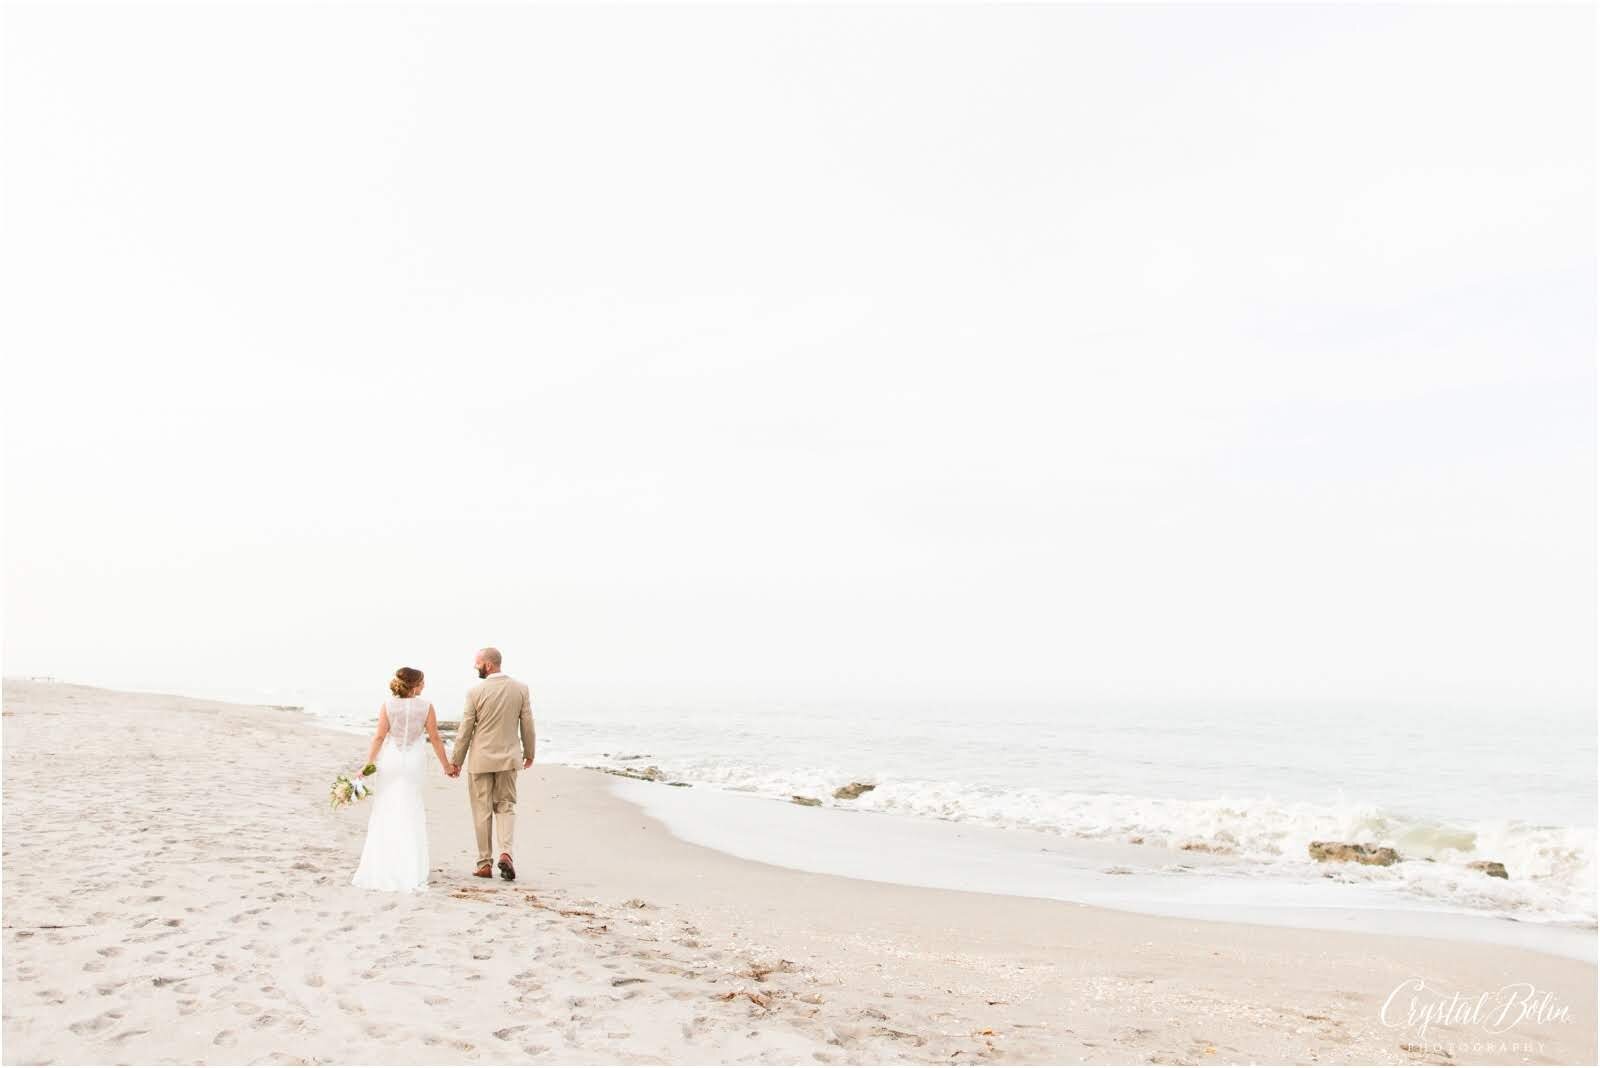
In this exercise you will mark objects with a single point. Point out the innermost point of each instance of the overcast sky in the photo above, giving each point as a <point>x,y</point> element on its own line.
<point>1243,352</point>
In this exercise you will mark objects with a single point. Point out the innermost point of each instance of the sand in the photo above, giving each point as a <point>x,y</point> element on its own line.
<point>177,890</point>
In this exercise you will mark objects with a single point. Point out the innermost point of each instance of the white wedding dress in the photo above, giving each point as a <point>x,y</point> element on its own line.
<point>395,856</point>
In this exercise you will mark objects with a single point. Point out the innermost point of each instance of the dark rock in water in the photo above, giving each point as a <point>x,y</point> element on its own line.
<point>1492,868</point>
<point>1206,847</point>
<point>650,774</point>
<point>854,790</point>
<point>1356,851</point>
<point>449,726</point>
<point>680,784</point>
<point>799,800</point>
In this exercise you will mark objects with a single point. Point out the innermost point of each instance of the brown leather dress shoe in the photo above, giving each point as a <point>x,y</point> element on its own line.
<point>507,872</point>
<point>485,871</point>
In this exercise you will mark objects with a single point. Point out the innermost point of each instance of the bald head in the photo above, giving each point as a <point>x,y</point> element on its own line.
<point>487,661</point>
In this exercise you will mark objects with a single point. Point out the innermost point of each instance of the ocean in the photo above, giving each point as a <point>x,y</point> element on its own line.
<point>1223,798</point>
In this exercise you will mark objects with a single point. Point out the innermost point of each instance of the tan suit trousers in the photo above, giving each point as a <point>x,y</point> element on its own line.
<point>494,798</point>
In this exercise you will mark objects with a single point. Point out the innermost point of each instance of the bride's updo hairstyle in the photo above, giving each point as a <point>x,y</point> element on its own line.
<point>405,682</point>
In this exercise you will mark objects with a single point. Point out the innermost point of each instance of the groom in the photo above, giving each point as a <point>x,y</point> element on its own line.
<point>498,710</point>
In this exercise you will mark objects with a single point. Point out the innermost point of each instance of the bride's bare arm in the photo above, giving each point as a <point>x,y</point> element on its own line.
<point>377,738</point>
<point>438,743</point>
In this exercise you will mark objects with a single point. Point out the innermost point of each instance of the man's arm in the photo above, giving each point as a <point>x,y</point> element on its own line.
<point>526,719</point>
<point>469,723</point>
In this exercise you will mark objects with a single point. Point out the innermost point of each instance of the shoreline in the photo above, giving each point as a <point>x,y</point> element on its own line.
<point>1137,879</point>
<point>190,930</point>
<point>1446,900</point>
<point>1109,873</point>
<point>1232,856</point>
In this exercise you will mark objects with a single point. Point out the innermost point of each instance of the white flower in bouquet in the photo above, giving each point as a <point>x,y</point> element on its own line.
<point>345,790</point>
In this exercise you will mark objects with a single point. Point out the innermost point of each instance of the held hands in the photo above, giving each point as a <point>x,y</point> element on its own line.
<point>454,770</point>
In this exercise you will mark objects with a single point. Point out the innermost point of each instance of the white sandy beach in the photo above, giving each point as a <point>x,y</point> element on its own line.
<point>176,890</point>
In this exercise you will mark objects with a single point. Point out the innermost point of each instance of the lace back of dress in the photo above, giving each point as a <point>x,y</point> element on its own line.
<point>407,715</point>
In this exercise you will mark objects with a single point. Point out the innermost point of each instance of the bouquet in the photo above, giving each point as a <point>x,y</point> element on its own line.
<point>347,790</point>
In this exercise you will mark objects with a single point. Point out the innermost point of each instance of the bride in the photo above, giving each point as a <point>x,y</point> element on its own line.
<point>395,856</point>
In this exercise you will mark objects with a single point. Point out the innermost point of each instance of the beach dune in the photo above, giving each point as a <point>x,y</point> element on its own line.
<point>176,889</point>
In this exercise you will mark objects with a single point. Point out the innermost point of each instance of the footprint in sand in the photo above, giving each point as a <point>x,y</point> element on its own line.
<point>225,1039</point>
<point>96,1024</point>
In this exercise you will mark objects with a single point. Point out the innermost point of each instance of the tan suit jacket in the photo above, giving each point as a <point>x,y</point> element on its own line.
<point>498,711</point>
